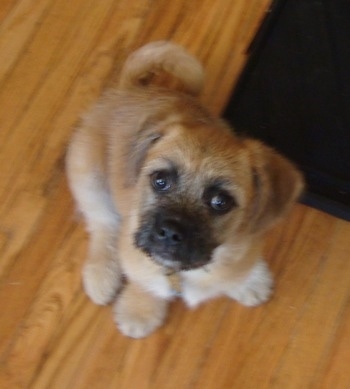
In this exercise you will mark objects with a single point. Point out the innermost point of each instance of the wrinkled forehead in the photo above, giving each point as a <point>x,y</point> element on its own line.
<point>203,154</point>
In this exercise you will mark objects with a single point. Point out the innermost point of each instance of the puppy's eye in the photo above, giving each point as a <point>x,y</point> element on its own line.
<point>161,181</point>
<point>222,202</point>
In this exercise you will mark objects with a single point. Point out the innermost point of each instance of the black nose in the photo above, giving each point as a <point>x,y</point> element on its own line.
<point>170,232</point>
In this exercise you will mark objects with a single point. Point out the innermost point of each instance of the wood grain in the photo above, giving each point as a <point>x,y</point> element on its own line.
<point>56,57</point>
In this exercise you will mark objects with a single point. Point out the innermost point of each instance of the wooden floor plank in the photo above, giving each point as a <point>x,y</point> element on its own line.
<point>20,21</point>
<point>333,318</point>
<point>333,373</point>
<point>30,267</point>
<point>314,333</point>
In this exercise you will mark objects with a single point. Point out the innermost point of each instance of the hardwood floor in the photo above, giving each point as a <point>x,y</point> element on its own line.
<point>56,56</point>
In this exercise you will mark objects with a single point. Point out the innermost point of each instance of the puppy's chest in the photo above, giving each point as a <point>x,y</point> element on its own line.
<point>175,283</point>
<point>181,283</point>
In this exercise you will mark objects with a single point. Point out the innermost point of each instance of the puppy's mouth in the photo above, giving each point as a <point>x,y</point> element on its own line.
<point>178,242</point>
<point>176,264</point>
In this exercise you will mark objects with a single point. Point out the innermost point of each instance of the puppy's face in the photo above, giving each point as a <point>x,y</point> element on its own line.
<point>200,187</point>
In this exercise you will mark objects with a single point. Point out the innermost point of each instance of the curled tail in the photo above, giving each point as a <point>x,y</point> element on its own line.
<point>159,57</point>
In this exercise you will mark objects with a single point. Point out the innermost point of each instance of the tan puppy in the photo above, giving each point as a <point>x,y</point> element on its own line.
<point>173,200</point>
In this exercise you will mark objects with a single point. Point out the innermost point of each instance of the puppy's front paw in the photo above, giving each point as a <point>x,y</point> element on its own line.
<point>138,313</point>
<point>256,288</point>
<point>101,281</point>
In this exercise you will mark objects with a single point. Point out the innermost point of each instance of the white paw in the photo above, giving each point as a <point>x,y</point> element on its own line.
<point>137,326</point>
<point>194,296</point>
<point>101,282</point>
<point>256,288</point>
<point>139,318</point>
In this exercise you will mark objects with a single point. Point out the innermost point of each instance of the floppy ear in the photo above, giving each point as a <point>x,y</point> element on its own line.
<point>277,185</point>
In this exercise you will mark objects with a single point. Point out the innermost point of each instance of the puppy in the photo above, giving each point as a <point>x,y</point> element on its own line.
<point>173,200</point>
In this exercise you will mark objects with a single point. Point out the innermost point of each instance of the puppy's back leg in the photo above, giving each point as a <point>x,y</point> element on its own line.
<point>256,288</point>
<point>87,180</point>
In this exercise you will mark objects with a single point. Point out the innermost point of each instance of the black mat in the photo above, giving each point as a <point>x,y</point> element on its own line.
<point>295,95</point>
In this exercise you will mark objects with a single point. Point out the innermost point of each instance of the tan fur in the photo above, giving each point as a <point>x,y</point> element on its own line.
<point>140,128</point>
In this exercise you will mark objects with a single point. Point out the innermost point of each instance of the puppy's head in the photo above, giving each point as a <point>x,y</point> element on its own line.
<point>200,187</point>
